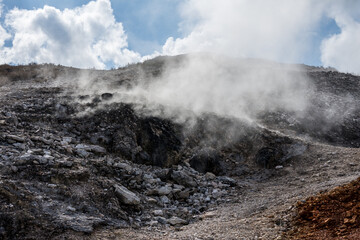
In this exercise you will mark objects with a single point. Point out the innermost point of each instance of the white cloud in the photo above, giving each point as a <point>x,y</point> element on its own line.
<point>342,50</point>
<point>87,36</point>
<point>280,30</point>
<point>277,29</point>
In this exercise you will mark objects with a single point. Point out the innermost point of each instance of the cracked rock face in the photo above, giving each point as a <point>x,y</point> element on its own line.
<point>72,163</point>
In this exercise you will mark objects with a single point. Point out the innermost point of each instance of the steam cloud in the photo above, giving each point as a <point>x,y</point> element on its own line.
<point>212,84</point>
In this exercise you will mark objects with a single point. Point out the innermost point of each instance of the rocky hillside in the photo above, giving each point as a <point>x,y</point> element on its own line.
<point>75,161</point>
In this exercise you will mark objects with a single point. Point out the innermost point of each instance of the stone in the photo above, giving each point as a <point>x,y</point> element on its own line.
<point>124,166</point>
<point>70,208</point>
<point>46,152</point>
<point>126,196</point>
<point>151,200</point>
<point>110,162</point>
<point>210,176</point>
<point>45,141</point>
<point>27,157</point>
<point>164,199</point>
<point>182,178</point>
<point>3,158</point>
<point>183,194</point>
<point>65,163</point>
<point>176,221</point>
<point>152,223</point>
<point>162,173</point>
<point>14,169</point>
<point>43,160</point>
<point>148,178</point>
<point>48,157</point>
<point>79,223</point>
<point>179,187</point>
<point>97,149</point>
<point>227,180</point>
<point>15,138</point>
<point>82,153</point>
<point>36,151</point>
<point>165,190</point>
<point>210,214</point>
<point>82,146</point>
<point>216,193</point>
<point>20,145</point>
<point>162,220</point>
<point>67,140</point>
<point>158,212</point>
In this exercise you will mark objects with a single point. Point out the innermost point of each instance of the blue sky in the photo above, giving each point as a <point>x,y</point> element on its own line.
<point>300,31</point>
<point>328,28</point>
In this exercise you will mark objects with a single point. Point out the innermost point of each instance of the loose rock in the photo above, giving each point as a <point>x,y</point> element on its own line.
<point>126,196</point>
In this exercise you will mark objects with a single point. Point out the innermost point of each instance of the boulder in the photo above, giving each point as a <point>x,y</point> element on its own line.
<point>182,178</point>
<point>126,196</point>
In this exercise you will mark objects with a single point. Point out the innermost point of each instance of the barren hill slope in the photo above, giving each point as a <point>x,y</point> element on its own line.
<point>88,154</point>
